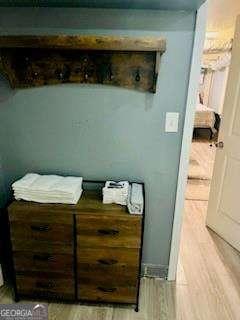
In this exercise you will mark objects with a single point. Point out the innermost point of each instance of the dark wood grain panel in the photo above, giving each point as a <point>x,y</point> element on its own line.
<point>84,42</point>
<point>115,266</point>
<point>23,211</point>
<point>30,61</point>
<point>39,67</point>
<point>94,231</point>
<point>45,286</point>
<point>42,246</point>
<point>90,202</point>
<point>41,261</point>
<point>107,275</point>
<point>107,293</point>
<point>93,255</point>
<point>42,231</point>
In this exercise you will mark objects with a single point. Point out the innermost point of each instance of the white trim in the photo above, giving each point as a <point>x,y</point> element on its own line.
<point>198,46</point>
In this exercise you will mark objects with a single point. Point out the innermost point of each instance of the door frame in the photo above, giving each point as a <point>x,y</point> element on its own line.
<point>198,45</point>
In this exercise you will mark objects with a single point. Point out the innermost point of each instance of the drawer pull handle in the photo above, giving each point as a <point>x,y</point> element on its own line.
<point>107,261</point>
<point>42,257</point>
<point>42,228</point>
<point>107,289</point>
<point>42,285</point>
<point>107,232</point>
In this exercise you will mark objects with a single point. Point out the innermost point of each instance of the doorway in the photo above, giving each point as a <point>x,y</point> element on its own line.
<point>208,264</point>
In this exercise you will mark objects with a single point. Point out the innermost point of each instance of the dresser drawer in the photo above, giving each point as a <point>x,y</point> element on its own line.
<point>107,293</point>
<point>108,231</point>
<point>42,230</point>
<point>105,276</point>
<point>40,213</point>
<point>108,256</point>
<point>36,246</point>
<point>108,266</point>
<point>40,261</point>
<point>46,286</point>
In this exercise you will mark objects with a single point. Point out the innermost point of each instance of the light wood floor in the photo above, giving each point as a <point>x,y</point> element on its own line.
<point>207,286</point>
<point>204,154</point>
<point>209,268</point>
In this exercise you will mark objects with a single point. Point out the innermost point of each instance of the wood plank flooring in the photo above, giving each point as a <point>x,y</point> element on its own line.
<point>204,155</point>
<point>210,268</point>
<point>207,286</point>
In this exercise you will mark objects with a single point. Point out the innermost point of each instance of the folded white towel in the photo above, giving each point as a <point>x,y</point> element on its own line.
<point>115,192</point>
<point>52,183</point>
<point>135,199</point>
<point>25,181</point>
<point>48,199</point>
<point>48,188</point>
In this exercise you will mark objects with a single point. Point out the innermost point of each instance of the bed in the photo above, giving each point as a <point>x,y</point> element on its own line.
<point>206,118</point>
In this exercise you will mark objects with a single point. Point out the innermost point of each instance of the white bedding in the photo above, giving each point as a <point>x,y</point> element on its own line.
<point>204,117</point>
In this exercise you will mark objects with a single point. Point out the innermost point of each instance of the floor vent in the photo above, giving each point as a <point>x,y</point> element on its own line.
<point>154,271</point>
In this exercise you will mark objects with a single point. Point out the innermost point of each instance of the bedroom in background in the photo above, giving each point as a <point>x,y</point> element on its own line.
<point>210,229</point>
<point>209,250</point>
<point>216,62</point>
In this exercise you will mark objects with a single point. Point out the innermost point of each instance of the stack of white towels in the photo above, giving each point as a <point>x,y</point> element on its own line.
<point>48,188</point>
<point>135,199</point>
<point>130,195</point>
<point>116,192</point>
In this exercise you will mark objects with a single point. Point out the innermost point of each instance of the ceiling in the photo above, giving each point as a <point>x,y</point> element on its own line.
<point>123,4</point>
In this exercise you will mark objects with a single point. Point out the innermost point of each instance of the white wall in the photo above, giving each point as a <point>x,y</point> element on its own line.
<point>206,86</point>
<point>218,89</point>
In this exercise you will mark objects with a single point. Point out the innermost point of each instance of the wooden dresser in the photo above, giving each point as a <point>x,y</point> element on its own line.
<point>87,252</point>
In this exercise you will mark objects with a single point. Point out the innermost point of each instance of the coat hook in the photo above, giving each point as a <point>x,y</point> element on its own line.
<point>63,74</point>
<point>111,76</point>
<point>137,77</point>
<point>86,73</point>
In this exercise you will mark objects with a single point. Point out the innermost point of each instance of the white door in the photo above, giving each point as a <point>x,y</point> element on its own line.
<point>224,203</point>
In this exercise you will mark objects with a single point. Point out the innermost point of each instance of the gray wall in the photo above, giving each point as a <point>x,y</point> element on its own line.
<point>103,132</point>
<point>2,186</point>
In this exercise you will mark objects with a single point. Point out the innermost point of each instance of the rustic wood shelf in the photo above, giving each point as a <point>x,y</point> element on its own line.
<point>29,61</point>
<point>84,42</point>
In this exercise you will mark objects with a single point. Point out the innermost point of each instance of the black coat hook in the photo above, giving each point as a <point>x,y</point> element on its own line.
<point>137,77</point>
<point>111,76</point>
<point>86,73</point>
<point>63,73</point>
